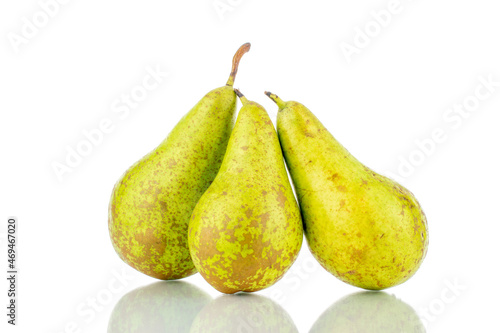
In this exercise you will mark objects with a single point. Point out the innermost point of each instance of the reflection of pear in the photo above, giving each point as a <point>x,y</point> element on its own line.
<point>373,312</point>
<point>243,313</point>
<point>158,307</point>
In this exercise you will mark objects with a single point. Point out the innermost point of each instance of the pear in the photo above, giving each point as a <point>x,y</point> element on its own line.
<point>362,227</point>
<point>246,230</point>
<point>152,202</point>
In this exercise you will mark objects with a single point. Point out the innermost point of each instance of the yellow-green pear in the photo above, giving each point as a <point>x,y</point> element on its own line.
<point>246,230</point>
<point>362,227</point>
<point>152,202</point>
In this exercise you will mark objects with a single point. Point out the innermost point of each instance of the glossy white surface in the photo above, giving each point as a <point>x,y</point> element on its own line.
<point>71,75</point>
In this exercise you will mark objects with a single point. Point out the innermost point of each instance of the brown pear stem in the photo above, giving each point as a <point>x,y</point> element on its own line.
<point>236,62</point>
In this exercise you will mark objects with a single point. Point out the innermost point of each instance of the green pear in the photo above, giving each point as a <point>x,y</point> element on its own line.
<point>246,230</point>
<point>369,311</point>
<point>166,306</point>
<point>152,202</point>
<point>243,313</point>
<point>362,227</point>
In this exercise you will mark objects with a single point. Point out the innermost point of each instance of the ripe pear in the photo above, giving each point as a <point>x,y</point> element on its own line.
<point>152,202</point>
<point>362,227</point>
<point>246,230</point>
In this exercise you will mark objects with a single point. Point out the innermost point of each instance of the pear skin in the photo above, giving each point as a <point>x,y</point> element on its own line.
<point>152,202</point>
<point>246,230</point>
<point>362,227</point>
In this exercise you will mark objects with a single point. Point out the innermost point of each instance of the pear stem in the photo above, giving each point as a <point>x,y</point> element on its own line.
<point>242,97</point>
<point>276,99</point>
<point>236,62</point>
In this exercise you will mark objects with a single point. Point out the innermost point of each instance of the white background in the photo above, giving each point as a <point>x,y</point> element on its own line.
<point>395,91</point>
